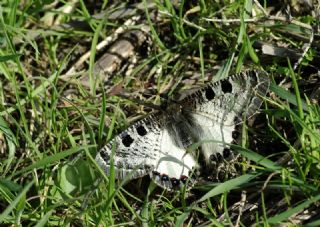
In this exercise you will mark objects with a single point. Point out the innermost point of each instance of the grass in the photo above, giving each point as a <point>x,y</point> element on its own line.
<point>51,125</point>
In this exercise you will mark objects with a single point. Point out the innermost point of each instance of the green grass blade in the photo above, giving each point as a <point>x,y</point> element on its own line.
<point>44,219</point>
<point>259,159</point>
<point>284,94</point>
<point>15,202</point>
<point>9,57</point>
<point>313,223</point>
<point>291,211</point>
<point>52,159</point>
<point>296,91</point>
<point>228,185</point>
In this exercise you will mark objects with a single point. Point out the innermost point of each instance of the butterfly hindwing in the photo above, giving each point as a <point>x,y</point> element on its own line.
<point>217,109</point>
<point>174,164</point>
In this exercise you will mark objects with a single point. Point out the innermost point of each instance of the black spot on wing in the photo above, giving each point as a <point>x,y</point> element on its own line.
<point>127,140</point>
<point>165,177</point>
<point>156,173</point>
<point>175,182</point>
<point>216,158</point>
<point>213,158</point>
<point>235,135</point>
<point>226,153</point>
<point>226,86</point>
<point>104,155</point>
<point>209,93</point>
<point>221,176</point>
<point>219,157</point>
<point>236,121</point>
<point>183,179</point>
<point>141,130</point>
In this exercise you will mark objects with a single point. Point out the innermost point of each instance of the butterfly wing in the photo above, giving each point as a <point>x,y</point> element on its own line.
<point>147,147</point>
<point>157,144</point>
<point>215,111</point>
<point>174,165</point>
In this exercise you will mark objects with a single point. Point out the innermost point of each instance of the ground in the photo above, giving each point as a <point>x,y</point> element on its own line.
<point>74,74</point>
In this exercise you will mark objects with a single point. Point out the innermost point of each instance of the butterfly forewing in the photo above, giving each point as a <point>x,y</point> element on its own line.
<point>137,149</point>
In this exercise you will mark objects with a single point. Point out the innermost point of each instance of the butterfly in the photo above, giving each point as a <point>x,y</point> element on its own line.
<point>158,144</point>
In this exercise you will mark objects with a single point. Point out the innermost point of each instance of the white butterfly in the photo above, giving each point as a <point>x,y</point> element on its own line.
<point>157,145</point>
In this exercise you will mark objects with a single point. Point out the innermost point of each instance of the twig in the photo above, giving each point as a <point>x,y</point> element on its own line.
<point>261,19</point>
<point>261,8</point>
<point>101,45</point>
<point>267,181</point>
<point>306,49</point>
<point>241,207</point>
<point>184,20</point>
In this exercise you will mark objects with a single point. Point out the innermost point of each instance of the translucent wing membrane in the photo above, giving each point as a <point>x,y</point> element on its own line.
<point>157,145</point>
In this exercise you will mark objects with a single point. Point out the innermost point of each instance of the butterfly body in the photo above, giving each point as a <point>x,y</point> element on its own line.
<point>157,145</point>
